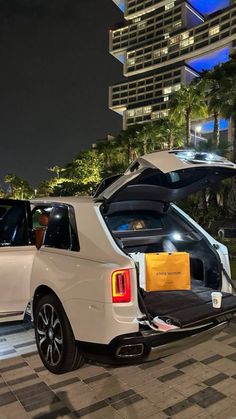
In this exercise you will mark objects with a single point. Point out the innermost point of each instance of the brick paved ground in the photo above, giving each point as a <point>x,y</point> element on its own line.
<point>198,383</point>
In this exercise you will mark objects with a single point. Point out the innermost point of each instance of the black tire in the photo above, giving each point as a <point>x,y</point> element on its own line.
<point>56,344</point>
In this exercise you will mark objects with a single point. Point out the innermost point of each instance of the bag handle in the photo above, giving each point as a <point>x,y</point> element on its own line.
<point>140,297</point>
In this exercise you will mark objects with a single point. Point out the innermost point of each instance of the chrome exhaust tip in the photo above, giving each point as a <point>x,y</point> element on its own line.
<point>130,351</point>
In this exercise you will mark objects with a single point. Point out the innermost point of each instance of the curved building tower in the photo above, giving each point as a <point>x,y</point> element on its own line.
<point>163,43</point>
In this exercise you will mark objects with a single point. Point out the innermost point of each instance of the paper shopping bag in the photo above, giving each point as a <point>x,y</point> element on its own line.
<point>167,271</point>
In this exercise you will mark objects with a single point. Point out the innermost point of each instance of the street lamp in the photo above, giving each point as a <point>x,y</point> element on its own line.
<point>197,130</point>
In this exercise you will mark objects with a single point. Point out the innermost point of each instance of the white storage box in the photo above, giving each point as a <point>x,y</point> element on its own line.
<point>139,258</point>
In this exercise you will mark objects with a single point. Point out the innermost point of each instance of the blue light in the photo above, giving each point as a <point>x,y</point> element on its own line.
<point>224,124</point>
<point>121,57</point>
<point>120,4</point>
<point>209,6</point>
<point>209,125</point>
<point>208,61</point>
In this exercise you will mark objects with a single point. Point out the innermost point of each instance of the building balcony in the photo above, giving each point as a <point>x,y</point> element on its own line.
<point>147,98</point>
<point>137,8</point>
<point>214,34</point>
<point>157,26</point>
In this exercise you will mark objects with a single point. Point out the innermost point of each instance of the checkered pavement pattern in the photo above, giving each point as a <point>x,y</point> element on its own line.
<point>197,383</point>
<point>16,339</point>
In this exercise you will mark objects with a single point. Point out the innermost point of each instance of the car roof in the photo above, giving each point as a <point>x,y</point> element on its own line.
<point>71,200</point>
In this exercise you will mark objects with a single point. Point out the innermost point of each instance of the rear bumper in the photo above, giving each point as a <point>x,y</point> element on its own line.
<point>148,345</point>
<point>184,343</point>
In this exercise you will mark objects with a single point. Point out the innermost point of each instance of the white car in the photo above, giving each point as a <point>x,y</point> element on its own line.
<point>87,292</point>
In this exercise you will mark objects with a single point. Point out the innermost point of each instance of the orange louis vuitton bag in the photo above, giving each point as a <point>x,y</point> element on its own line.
<point>167,271</point>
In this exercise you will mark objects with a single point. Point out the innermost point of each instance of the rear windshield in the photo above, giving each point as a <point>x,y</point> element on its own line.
<point>134,220</point>
<point>149,231</point>
<point>146,220</point>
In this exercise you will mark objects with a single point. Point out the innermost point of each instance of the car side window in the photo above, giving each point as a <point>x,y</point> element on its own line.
<point>61,232</point>
<point>37,213</point>
<point>13,226</point>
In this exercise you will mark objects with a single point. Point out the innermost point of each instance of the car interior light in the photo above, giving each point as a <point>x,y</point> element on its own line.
<point>176,236</point>
<point>194,156</point>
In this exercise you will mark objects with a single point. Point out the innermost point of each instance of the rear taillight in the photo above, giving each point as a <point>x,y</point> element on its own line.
<point>121,290</point>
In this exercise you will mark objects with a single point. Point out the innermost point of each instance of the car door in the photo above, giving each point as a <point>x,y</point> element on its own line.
<point>16,257</point>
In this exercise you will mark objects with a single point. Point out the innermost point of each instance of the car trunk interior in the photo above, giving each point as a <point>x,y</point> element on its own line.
<point>141,227</point>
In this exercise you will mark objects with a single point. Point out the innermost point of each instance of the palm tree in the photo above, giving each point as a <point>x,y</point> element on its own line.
<point>149,137</point>
<point>213,85</point>
<point>105,149</point>
<point>171,133</point>
<point>143,137</point>
<point>128,141</point>
<point>229,95</point>
<point>219,85</point>
<point>187,103</point>
<point>56,169</point>
<point>19,188</point>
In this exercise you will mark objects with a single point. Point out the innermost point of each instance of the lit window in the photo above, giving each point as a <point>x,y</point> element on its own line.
<point>159,52</point>
<point>164,113</point>
<point>186,42</point>
<point>155,115</point>
<point>174,40</point>
<point>156,53</point>
<point>169,89</point>
<point>184,35</point>
<point>142,25</point>
<point>164,51</point>
<point>131,61</point>
<point>139,112</point>
<point>166,98</point>
<point>177,24</point>
<point>147,109</point>
<point>176,87</point>
<point>214,30</point>
<point>130,113</point>
<point>183,43</point>
<point>166,36</point>
<point>159,114</point>
<point>136,20</point>
<point>170,5</point>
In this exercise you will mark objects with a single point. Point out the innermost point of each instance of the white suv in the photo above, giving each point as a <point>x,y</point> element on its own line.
<point>88,293</point>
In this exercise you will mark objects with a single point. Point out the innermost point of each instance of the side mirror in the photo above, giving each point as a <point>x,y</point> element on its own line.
<point>39,236</point>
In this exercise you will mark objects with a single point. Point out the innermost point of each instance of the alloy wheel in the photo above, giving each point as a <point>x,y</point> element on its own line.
<point>50,336</point>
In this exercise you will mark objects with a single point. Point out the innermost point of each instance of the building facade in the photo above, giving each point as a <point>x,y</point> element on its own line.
<point>162,44</point>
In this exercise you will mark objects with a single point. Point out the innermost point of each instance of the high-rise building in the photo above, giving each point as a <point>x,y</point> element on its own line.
<point>162,44</point>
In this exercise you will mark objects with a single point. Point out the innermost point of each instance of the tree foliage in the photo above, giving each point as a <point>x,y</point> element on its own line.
<point>212,84</point>
<point>18,187</point>
<point>211,95</point>
<point>186,104</point>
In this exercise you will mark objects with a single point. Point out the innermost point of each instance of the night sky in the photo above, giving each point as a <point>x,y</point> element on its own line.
<point>55,72</point>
